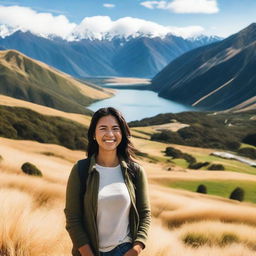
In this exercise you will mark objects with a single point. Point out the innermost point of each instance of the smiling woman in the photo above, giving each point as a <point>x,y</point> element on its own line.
<point>111,217</point>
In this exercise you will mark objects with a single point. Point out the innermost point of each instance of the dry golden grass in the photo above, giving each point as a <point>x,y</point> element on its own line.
<point>31,209</point>
<point>30,230</point>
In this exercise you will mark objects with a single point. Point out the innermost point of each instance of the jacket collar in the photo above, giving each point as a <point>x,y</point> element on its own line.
<point>92,165</point>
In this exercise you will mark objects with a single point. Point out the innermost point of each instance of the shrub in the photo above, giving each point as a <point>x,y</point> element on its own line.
<point>173,152</point>
<point>233,145</point>
<point>190,159</point>
<point>250,139</point>
<point>216,167</point>
<point>198,165</point>
<point>237,194</point>
<point>176,153</point>
<point>167,136</point>
<point>247,152</point>
<point>202,189</point>
<point>31,169</point>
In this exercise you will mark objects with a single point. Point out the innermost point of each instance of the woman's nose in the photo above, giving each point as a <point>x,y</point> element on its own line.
<point>109,132</point>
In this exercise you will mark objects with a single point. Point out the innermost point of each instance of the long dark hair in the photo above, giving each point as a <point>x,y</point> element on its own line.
<point>125,149</point>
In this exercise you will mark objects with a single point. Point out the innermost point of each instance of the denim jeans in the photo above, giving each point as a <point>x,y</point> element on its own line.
<point>119,250</point>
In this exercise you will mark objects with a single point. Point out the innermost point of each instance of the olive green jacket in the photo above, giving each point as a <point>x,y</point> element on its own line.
<point>81,224</point>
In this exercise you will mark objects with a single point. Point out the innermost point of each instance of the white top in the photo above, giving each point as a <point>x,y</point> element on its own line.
<point>113,208</point>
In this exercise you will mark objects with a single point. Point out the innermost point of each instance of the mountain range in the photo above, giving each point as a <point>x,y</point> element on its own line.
<point>132,57</point>
<point>30,80</point>
<point>213,77</point>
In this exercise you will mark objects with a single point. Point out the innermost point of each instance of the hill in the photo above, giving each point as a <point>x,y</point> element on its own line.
<point>25,124</point>
<point>24,78</point>
<point>213,77</point>
<point>208,130</point>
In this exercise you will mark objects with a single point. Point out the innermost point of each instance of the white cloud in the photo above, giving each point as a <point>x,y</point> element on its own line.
<point>109,5</point>
<point>45,24</point>
<point>184,6</point>
<point>154,4</point>
<point>91,27</point>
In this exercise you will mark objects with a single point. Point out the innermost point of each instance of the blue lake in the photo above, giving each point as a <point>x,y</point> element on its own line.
<point>138,104</point>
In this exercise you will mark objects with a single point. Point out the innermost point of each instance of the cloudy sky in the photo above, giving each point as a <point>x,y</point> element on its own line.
<point>67,18</point>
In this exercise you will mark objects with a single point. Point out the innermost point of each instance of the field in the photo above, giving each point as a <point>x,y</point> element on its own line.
<point>184,222</point>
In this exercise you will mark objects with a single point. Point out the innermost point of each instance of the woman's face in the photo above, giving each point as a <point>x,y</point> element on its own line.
<point>108,133</point>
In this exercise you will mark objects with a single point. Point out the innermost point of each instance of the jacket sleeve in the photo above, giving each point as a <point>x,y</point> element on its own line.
<point>143,206</point>
<point>73,210</point>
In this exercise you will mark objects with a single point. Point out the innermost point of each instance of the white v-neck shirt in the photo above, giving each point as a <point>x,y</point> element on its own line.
<point>113,208</point>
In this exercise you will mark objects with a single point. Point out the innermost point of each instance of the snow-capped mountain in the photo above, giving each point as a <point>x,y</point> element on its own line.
<point>140,55</point>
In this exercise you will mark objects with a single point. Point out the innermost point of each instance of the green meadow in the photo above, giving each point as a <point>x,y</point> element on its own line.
<point>221,188</point>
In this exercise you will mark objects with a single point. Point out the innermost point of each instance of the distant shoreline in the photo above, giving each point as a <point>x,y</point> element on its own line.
<point>121,82</point>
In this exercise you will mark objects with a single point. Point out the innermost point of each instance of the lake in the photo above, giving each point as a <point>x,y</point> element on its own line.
<point>138,104</point>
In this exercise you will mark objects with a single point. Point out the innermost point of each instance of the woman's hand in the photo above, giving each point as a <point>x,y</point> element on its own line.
<point>135,250</point>
<point>86,250</point>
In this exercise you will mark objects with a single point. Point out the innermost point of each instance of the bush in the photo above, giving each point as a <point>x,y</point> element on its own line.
<point>176,153</point>
<point>190,159</point>
<point>247,152</point>
<point>233,145</point>
<point>237,194</point>
<point>173,152</point>
<point>250,139</point>
<point>31,169</point>
<point>202,189</point>
<point>216,167</point>
<point>197,166</point>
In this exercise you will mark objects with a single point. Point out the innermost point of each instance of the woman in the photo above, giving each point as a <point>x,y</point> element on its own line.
<point>112,217</point>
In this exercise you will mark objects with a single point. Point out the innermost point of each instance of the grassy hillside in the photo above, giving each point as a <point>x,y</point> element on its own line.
<point>208,130</point>
<point>27,79</point>
<point>25,124</point>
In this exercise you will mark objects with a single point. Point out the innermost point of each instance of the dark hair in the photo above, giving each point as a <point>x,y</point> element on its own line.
<point>125,149</point>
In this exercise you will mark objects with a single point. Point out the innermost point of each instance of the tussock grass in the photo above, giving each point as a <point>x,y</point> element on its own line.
<point>216,233</point>
<point>44,193</point>
<point>164,242</point>
<point>27,230</point>
<point>225,214</point>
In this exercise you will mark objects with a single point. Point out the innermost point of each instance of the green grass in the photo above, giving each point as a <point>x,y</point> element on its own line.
<point>230,165</point>
<point>219,187</point>
<point>243,145</point>
<point>180,162</point>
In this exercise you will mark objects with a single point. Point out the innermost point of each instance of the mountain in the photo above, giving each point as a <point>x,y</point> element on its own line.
<point>137,57</point>
<point>214,77</point>
<point>24,78</point>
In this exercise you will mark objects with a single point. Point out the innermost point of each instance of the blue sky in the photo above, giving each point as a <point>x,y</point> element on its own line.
<point>211,17</point>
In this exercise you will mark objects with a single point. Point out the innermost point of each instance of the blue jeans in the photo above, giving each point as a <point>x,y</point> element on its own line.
<point>119,250</point>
